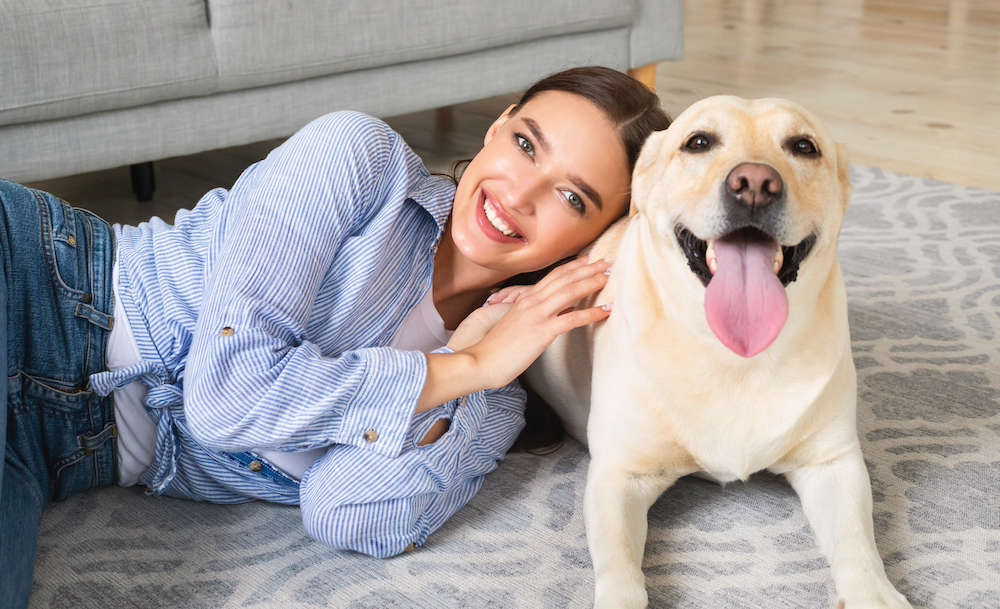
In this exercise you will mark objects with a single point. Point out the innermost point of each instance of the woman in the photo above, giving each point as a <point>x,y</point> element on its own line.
<point>291,339</point>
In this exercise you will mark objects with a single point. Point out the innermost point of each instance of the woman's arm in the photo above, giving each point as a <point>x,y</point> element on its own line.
<point>253,380</point>
<point>355,499</point>
<point>359,500</point>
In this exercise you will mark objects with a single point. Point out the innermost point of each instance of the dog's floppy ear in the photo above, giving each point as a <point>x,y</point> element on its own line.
<point>844,174</point>
<point>647,171</point>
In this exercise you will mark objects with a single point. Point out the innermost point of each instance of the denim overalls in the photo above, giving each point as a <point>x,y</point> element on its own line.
<point>57,436</point>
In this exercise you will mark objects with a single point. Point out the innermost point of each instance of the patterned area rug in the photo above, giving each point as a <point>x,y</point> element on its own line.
<point>922,264</point>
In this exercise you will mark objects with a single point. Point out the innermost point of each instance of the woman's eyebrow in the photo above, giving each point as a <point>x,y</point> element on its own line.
<point>585,188</point>
<point>589,192</point>
<point>537,132</point>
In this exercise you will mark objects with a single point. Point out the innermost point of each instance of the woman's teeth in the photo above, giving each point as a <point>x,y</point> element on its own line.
<point>495,220</point>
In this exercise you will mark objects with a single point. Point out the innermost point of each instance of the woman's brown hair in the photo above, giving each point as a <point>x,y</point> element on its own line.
<point>635,112</point>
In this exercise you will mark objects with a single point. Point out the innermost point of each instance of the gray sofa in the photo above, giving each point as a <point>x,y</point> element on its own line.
<point>93,84</point>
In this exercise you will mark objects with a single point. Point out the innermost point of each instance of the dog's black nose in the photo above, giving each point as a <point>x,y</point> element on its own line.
<point>754,184</point>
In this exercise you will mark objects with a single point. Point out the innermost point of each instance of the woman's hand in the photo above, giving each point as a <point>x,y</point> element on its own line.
<point>475,327</point>
<point>508,294</point>
<point>526,319</point>
<point>498,342</point>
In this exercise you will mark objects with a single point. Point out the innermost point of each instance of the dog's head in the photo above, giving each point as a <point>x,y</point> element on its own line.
<point>749,193</point>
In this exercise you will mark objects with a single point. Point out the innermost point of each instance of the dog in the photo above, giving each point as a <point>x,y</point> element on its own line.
<point>727,351</point>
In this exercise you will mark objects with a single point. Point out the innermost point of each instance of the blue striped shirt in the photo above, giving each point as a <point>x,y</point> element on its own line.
<point>262,318</point>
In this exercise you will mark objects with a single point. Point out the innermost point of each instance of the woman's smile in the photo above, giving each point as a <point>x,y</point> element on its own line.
<point>496,223</point>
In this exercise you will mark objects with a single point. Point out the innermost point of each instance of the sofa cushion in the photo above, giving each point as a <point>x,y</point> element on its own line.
<point>305,38</point>
<point>67,57</point>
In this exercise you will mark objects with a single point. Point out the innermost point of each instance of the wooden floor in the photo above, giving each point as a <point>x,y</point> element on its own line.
<point>912,86</point>
<point>909,85</point>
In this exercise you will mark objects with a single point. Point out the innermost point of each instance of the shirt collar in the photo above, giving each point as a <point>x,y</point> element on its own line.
<point>436,194</point>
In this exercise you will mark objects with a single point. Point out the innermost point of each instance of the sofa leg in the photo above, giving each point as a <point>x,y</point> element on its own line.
<point>646,75</point>
<point>143,181</point>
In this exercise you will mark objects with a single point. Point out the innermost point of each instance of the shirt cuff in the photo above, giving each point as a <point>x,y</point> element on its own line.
<point>381,411</point>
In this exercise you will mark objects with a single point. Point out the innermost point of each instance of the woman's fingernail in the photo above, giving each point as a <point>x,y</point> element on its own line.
<point>607,306</point>
<point>607,271</point>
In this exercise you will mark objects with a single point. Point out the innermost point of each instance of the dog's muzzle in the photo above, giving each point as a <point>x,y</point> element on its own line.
<point>754,200</point>
<point>745,270</point>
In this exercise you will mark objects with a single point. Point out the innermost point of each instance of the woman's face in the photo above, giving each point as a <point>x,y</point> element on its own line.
<point>547,182</point>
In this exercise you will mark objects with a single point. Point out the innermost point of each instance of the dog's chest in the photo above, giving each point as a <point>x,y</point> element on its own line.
<point>728,457</point>
<point>732,432</point>
<point>727,430</point>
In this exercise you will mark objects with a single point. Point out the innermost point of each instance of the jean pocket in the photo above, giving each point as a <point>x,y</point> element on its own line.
<point>65,436</point>
<point>61,239</point>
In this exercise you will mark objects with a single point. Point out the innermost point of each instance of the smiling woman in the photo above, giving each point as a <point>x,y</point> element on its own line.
<point>314,335</point>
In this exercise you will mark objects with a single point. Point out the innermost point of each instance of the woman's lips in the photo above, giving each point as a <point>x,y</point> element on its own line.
<point>487,227</point>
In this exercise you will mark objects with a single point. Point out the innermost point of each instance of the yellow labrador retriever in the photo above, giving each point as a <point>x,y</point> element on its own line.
<point>728,349</point>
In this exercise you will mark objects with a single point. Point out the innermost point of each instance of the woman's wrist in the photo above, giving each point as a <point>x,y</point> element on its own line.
<point>450,376</point>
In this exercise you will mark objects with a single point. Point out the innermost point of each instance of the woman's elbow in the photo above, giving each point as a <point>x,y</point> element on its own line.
<point>380,529</point>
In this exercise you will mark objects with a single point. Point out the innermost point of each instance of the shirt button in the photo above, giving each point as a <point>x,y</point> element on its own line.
<point>371,435</point>
<point>410,548</point>
<point>227,331</point>
<point>255,466</point>
<point>71,240</point>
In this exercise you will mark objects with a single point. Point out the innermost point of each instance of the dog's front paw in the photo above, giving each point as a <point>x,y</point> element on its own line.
<point>885,598</point>
<point>619,595</point>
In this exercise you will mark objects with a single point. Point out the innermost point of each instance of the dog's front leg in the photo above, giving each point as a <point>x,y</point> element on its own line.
<point>616,503</point>
<point>837,499</point>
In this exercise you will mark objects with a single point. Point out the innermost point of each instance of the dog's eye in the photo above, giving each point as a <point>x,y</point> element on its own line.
<point>699,142</point>
<point>804,147</point>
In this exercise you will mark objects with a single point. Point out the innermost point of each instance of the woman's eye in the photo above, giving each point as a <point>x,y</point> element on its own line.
<point>699,142</point>
<point>574,200</point>
<point>524,144</point>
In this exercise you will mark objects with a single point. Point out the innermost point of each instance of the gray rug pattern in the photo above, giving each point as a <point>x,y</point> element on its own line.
<point>921,260</point>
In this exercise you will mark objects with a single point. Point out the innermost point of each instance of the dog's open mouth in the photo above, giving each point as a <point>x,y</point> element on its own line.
<point>696,251</point>
<point>745,273</point>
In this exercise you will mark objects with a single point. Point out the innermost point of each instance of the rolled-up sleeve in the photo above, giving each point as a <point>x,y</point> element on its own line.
<point>253,379</point>
<point>359,500</point>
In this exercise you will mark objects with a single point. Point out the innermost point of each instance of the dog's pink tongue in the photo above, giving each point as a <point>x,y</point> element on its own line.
<point>745,302</point>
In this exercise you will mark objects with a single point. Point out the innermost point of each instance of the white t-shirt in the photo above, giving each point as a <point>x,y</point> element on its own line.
<point>136,429</point>
<point>423,329</point>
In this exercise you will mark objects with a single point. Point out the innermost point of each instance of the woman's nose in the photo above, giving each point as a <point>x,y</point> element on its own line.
<point>525,193</point>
